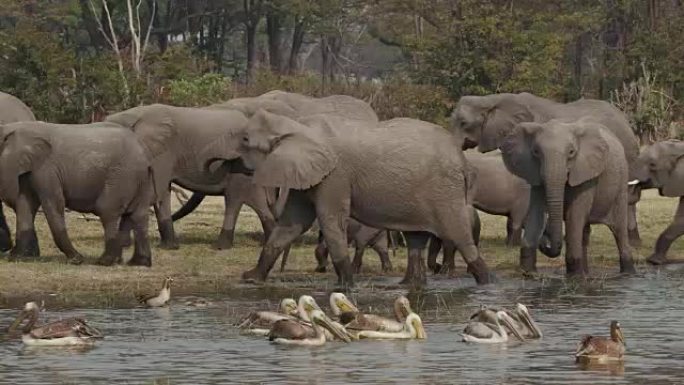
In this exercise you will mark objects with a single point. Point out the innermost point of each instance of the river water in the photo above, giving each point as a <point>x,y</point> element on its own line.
<point>187,344</point>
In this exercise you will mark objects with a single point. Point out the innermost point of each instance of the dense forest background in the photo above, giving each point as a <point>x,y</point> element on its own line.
<point>77,60</point>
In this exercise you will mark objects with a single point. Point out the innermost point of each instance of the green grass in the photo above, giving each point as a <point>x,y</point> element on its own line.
<point>200,270</point>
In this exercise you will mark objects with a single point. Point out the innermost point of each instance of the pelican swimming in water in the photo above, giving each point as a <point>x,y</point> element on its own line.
<point>601,349</point>
<point>486,327</point>
<point>288,332</point>
<point>412,329</point>
<point>524,323</point>
<point>353,319</point>
<point>161,298</point>
<point>67,332</point>
<point>260,322</point>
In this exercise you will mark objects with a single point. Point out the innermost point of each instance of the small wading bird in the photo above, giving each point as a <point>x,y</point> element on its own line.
<point>260,322</point>
<point>486,327</point>
<point>160,299</point>
<point>67,332</point>
<point>602,349</point>
<point>413,329</point>
<point>288,332</point>
<point>352,319</point>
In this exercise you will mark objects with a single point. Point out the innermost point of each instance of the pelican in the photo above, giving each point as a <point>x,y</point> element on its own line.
<point>353,319</point>
<point>412,329</point>
<point>524,323</point>
<point>601,349</point>
<point>288,332</point>
<point>260,322</point>
<point>67,332</point>
<point>160,299</point>
<point>485,327</point>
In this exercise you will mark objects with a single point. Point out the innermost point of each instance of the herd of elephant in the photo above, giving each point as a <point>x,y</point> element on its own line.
<point>295,159</point>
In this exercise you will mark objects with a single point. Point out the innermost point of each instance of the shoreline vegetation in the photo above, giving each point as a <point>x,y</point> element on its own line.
<point>199,270</point>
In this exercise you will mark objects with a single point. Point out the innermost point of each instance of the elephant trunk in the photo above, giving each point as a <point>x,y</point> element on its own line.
<point>555,177</point>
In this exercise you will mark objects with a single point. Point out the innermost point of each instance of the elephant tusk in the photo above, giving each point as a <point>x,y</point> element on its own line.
<point>633,182</point>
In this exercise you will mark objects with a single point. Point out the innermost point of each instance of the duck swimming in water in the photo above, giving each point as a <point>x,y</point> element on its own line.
<point>352,319</point>
<point>160,299</point>
<point>260,322</point>
<point>67,332</point>
<point>413,329</point>
<point>601,349</point>
<point>291,332</point>
<point>486,327</point>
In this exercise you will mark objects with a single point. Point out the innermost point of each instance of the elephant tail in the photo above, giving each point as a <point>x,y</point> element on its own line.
<point>189,206</point>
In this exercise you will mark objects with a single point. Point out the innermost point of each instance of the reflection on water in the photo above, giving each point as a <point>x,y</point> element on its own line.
<point>198,344</point>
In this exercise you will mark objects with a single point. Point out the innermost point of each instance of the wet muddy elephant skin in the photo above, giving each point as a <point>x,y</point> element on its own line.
<point>402,174</point>
<point>661,165</point>
<point>579,175</point>
<point>98,168</point>
<point>485,121</point>
<point>13,110</point>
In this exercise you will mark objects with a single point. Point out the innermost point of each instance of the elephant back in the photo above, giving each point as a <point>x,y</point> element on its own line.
<point>14,110</point>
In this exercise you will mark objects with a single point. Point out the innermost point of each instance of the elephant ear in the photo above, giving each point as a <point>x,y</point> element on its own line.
<point>517,153</point>
<point>153,126</point>
<point>592,149</point>
<point>673,184</point>
<point>23,151</point>
<point>299,157</point>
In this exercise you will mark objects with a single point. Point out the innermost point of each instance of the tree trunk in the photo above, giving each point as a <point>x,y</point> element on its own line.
<point>297,41</point>
<point>274,32</point>
<point>251,52</point>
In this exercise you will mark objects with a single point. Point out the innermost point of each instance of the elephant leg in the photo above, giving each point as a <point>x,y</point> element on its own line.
<point>260,206</point>
<point>515,221</point>
<point>53,208</point>
<point>476,226</point>
<point>534,226</point>
<point>167,234</point>
<point>579,201</point>
<point>5,234</point>
<point>26,208</point>
<point>381,247</point>
<point>415,269</point>
<point>619,228</point>
<point>321,253</point>
<point>457,228</point>
<point>142,252</point>
<point>448,257</point>
<point>125,229</point>
<point>113,248</point>
<point>227,235</point>
<point>358,258</point>
<point>333,222</point>
<point>633,230</point>
<point>297,217</point>
<point>669,235</point>
<point>586,235</point>
<point>433,251</point>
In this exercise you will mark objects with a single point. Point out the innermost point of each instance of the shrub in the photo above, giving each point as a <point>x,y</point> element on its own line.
<point>199,91</point>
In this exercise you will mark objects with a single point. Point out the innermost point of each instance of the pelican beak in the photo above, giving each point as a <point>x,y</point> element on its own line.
<point>21,317</point>
<point>337,330</point>
<point>527,319</point>
<point>420,330</point>
<point>346,306</point>
<point>506,319</point>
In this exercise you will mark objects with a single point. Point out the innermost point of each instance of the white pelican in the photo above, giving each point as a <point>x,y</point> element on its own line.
<point>413,329</point>
<point>260,322</point>
<point>288,332</point>
<point>353,319</point>
<point>487,327</point>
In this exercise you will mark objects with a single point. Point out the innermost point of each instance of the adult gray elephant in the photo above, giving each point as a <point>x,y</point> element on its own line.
<point>661,165</point>
<point>580,168</point>
<point>96,168</point>
<point>403,174</point>
<point>12,110</point>
<point>240,190</point>
<point>190,137</point>
<point>485,121</point>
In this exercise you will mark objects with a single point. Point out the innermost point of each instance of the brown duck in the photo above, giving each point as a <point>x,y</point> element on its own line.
<point>600,349</point>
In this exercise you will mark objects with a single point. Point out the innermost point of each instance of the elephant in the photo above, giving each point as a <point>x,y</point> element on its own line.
<point>580,168</point>
<point>485,121</point>
<point>402,174</point>
<point>190,137</point>
<point>661,165</point>
<point>97,168</point>
<point>240,191</point>
<point>11,110</point>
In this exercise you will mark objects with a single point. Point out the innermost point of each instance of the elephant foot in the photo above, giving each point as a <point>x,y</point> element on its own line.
<point>627,268</point>
<point>387,267</point>
<point>528,260</point>
<point>356,267</point>
<point>75,258</point>
<point>634,238</point>
<point>657,260</point>
<point>573,268</point>
<point>225,240</point>
<point>414,280</point>
<point>169,244</point>
<point>321,269</point>
<point>167,236</point>
<point>435,267</point>
<point>26,247</point>
<point>5,240</point>
<point>140,260</point>
<point>107,260</point>
<point>253,276</point>
<point>478,268</point>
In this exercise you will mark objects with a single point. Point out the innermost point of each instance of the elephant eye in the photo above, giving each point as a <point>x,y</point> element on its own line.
<point>535,152</point>
<point>572,153</point>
